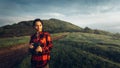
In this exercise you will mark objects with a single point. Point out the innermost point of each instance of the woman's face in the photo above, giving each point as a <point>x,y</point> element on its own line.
<point>38,26</point>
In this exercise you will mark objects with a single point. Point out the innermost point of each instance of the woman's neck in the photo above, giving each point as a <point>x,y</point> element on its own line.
<point>39,31</point>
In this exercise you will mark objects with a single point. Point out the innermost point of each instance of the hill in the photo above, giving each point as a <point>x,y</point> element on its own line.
<point>25,28</point>
<point>52,25</point>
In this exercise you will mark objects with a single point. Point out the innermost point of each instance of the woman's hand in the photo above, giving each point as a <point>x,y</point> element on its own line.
<point>38,49</point>
<point>31,46</point>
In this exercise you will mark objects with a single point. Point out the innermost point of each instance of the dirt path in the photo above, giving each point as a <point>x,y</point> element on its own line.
<point>9,57</point>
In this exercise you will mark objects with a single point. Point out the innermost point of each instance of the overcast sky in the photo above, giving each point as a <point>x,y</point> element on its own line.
<point>96,14</point>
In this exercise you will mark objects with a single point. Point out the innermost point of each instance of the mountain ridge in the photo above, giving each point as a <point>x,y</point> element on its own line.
<point>25,27</point>
<point>51,25</point>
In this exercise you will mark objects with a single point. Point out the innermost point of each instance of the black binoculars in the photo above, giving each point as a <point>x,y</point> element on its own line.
<point>36,44</point>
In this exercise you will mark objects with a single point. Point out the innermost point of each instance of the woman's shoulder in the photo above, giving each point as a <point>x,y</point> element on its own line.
<point>33,35</point>
<point>46,33</point>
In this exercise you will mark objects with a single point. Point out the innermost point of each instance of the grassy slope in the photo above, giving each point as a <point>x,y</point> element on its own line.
<point>12,41</point>
<point>83,50</point>
<point>8,42</point>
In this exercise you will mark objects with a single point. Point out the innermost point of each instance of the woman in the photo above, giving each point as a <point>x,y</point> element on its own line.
<point>40,46</point>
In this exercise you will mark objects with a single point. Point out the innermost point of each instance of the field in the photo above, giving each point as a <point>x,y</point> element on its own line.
<point>14,49</point>
<point>13,41</point>
<point>9,42</point>
<point>83,50</point>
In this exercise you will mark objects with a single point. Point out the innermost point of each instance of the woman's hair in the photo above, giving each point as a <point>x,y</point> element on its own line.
<point>34,22</point>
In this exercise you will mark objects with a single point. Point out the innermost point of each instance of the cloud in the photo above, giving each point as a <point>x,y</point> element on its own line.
<point>104,14</point>
<point>54,14</point>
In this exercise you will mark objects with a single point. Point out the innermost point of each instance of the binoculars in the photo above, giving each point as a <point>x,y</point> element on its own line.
<point>36,44</point>
<point>32,51</point>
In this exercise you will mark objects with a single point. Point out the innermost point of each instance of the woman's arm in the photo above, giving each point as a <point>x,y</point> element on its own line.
<point>49,44</point>
<point>31,43</point>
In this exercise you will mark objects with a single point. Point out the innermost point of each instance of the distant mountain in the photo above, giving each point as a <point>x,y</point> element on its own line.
<point>52,25</point>
<point>25,28</point>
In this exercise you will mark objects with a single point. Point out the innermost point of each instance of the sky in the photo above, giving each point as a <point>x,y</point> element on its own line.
<point>96,14</point>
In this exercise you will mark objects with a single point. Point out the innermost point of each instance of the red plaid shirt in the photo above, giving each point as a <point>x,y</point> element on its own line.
<point>46,43</point>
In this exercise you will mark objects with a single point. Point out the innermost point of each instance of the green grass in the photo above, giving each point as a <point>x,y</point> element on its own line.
<point>26,61</point>
<point>82,50</point>
<point>12,41</point>
<point>8,42</point>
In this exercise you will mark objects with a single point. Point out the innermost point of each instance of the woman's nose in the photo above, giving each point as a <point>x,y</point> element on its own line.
<point>38,27</point>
